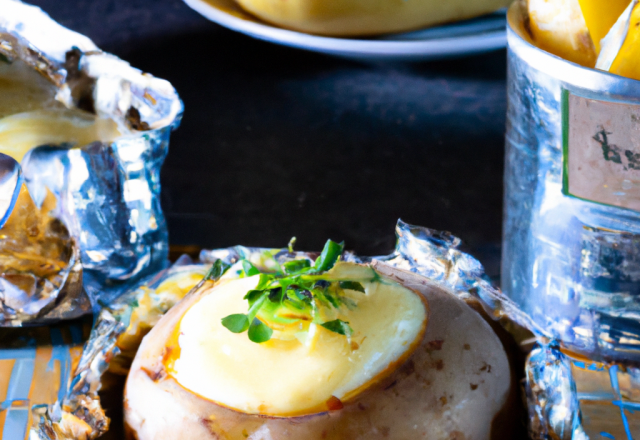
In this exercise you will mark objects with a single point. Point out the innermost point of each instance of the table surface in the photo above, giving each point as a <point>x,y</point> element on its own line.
<point>278,142</point>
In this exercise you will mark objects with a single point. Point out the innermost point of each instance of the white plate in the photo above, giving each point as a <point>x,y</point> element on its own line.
<point>457,39</point>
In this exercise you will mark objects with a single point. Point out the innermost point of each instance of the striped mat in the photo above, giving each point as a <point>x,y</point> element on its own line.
<point>35,368</point>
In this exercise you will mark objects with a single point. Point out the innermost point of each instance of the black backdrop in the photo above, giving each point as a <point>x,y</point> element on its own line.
<point>278,142</point>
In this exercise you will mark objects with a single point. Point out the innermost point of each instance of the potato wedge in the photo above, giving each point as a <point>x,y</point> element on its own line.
<point>559,27</point>
<point>456,384</point>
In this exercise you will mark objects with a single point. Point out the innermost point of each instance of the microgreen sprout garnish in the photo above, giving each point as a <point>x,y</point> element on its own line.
<point>352,285</point>
<point>292,243</point>
<point>217,270</point>
<point>293,296</point>
<point>338,326</point>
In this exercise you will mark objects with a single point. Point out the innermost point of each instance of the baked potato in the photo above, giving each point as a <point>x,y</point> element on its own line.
<point>397,357</point>
<point>366,17</point>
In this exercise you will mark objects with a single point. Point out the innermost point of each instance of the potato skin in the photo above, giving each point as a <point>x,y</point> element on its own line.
<point>452,387</point>
<point>366,17</point>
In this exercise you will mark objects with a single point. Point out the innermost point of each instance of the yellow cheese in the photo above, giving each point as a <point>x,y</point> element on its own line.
<point>600,15</point>
<point>285,377</point>
<point>30,116</point>
<point>21,132</point>
<point>627,61</point>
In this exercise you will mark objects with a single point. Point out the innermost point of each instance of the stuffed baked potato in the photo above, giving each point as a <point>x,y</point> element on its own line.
<point>397,358</point>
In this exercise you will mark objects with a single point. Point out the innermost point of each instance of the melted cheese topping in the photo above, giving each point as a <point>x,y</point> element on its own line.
<point>24,131</point>
<point>288,377</point>
<point>30,116</point>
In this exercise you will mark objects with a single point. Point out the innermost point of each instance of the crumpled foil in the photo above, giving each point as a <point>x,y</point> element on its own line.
<point>554,410</point>
<point>114,339</point>
<point>106,192</point>
<point>573,398</point>
<point>419,250</point>
<point>40,268</point>
<point>571,265</point>
<point>565,394</point>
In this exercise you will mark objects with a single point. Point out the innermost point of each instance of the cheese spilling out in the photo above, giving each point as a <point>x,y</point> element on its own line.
<point>152,305</point>
<point>284,377</point>
<point>30,116</point>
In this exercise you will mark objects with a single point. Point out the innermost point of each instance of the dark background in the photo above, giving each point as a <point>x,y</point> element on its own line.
<point>277,142</point>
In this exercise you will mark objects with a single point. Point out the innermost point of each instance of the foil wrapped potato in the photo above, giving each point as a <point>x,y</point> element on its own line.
<point>395,356</point>
<point>438,362</point>
<point>86,134</point>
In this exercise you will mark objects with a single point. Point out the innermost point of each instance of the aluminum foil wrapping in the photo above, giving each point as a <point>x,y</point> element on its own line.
<point>102,192</point>
<point>570,264</point>
<point>552,399</point>
<point>573,398</point>
<point>569,397</point>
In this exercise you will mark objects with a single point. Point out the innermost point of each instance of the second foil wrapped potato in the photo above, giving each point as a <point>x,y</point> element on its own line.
<point>83,135</point>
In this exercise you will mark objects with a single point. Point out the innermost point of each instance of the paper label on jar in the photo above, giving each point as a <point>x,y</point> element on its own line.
<point>601,151</point>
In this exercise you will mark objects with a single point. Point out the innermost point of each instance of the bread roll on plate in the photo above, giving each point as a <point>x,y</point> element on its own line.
<point>366,17</point>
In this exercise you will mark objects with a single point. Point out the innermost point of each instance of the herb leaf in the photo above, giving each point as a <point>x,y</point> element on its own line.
<point>252,296</point>
<point>217,270</point>
<point>333,300</point>
<point>294,267</point>
<point>292,293</point>
<point>249,269</point>
<point>303,295</point>
<point>292,242</point>
<point>265,280</point>
<point>276,295</point>
<point>351,304</point>
<point>352,285</point>
<point>236,323</point>
<point>328,257</point>
<point>255,307</point>
<point>259,332</point>
<point>338,326</point>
